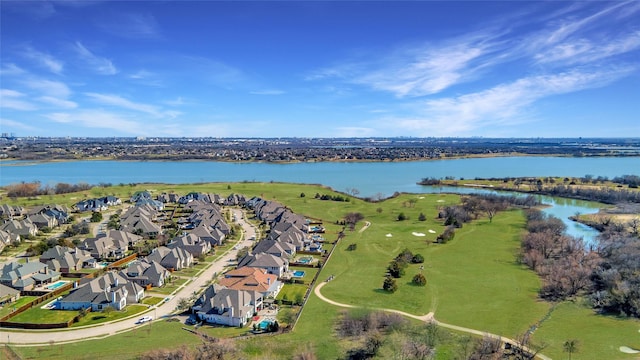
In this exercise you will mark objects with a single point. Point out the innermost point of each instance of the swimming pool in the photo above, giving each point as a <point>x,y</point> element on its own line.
<point>56,285</point>
<point>264,324</point>
<point>298,273</point>
<point>305,260</point>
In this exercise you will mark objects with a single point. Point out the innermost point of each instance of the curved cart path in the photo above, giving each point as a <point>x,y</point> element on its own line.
<point>162,310</point>
<point>427,318</point>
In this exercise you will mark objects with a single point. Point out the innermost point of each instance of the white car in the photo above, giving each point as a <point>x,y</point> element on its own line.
<point>144,319</point>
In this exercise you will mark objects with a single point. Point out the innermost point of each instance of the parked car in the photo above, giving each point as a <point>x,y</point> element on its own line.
<point>144,319</point>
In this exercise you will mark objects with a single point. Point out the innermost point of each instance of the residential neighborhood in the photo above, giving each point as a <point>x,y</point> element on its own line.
<point>149,244</point>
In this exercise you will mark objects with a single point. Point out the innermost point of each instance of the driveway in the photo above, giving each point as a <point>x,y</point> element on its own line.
<point>165,309</point>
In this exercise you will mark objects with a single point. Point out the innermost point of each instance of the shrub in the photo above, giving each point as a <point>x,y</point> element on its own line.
<point>402,217</point>
<point>390,284</point>
<point>396,268</point>
<point>417,259</point>
<point>422,217</point>
<point>419,280</point>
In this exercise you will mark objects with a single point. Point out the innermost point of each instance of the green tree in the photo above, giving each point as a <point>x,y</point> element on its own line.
<point>96,217</point>
<point>402,217</point>
<point>570,347</point>
<point>422,217</point>
<point>419,280</point>
<point>390,284</point>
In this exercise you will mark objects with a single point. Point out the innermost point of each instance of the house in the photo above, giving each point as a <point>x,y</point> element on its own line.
<point>138,195</point>
<point>59,212</point>
<point>123,237</point>
<point>90,205</point>
<point>252,279</point>
<point>193,196</point>
<point>66,260</point>
<point>27,276</point>
<point>9,212</point>
<point>145,273</point>
<point>213,236</point>
<point>172,259</point>
<point>110,290</point>
<point>141,225</point>
<point>273,264</point>
<point>7,239</point>
<point>105,247</point>
<point>191,243</point>
<point>168,198</point>
<point>276,248</point>
<point>23,228</point>
<point>8,295</point>
<point>230,307</point>
<point>43,220</point>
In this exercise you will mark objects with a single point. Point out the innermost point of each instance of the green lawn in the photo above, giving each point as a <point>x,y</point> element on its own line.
<point>290,291</point>
<point>8,308</point>
<point>127,345</point>
<point>93,318</point>
<point>599,337</point>
<point>309,273</point>
<point>152,300</point>
<point>36,315</point>
<point>168,288</point>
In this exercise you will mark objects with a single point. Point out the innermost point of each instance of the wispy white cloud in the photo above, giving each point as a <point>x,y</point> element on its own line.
<point>12,124</point>
<point>43,59</point>
<point>502,104</point>
<point>129,25</point>
<point>267,92</point>
<point>58,102</point>
<point>99,64</point>
<point>98,118</point>
<point>115,100</point>
<point>11,70</point>
<point>12,99</point>
<point>179,101</point>
<point>119,101</point>
<point>48,87</point>
<point>148,78</point>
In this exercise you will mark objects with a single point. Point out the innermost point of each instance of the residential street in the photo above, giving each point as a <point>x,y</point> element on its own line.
<point>27,338</point>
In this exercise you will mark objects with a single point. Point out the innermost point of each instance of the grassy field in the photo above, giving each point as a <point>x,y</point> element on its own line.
<point>472,281</point>
<point>8,308</point>
<point>599,337</point>
<point>127,345</point>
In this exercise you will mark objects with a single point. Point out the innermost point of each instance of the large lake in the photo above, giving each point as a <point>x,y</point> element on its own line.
<point>370,178</point>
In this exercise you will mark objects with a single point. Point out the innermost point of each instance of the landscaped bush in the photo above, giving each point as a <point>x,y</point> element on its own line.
<point>419,279</point>
<point>390,284</point>
<point>396,268</point>
<point>447,235</point>
<point>417,259</point>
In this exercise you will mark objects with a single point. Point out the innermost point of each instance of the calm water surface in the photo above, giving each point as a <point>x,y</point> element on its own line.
<point>370,178</point>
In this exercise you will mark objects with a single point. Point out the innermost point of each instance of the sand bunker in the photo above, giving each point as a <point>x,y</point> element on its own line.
<point>421,197</point>
<point>417,234</point>
<point>440,201</point>
<point>628,350</point>
<point>432,231</point>
<point>389,235</point>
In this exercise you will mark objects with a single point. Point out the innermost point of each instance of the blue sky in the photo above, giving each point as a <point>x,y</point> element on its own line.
<point>320,69</point>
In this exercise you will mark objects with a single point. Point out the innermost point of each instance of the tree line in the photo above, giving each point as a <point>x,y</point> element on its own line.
<point>608,274</point>
<point>35,188</point>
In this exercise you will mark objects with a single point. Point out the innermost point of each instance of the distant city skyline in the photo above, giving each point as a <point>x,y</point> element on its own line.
<point>520,69</point>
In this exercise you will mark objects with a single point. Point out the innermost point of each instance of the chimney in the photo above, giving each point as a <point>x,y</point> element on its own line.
<point>268,281</point>
<point>113,297</point>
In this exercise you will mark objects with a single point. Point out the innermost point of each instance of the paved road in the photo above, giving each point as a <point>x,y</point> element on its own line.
<point>165,309</point>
